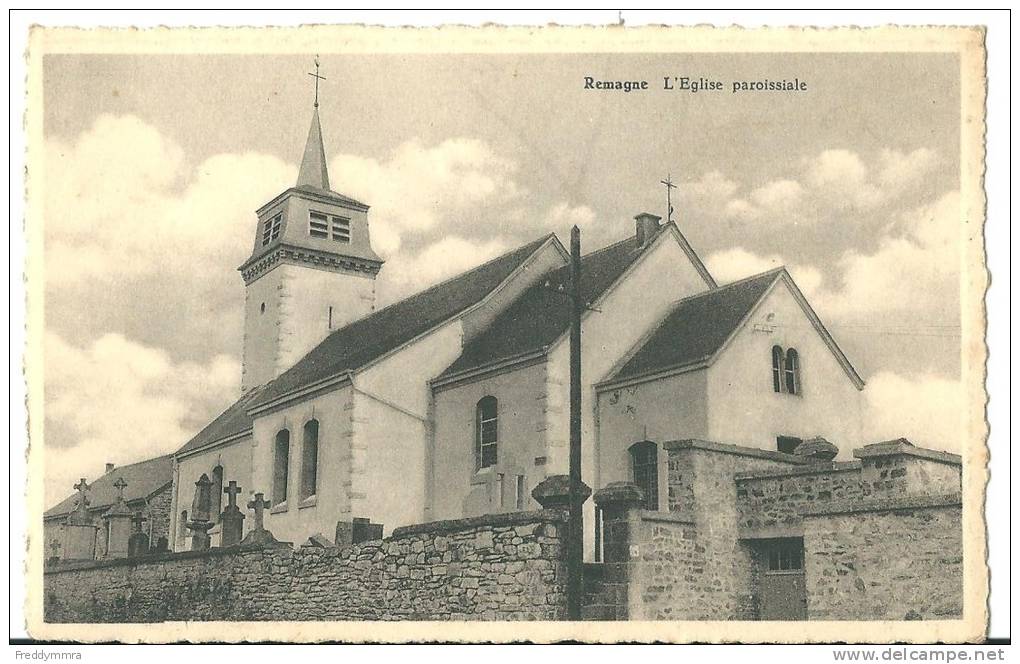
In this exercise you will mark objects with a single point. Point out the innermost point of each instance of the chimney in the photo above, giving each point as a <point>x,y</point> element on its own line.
<point>647,226</point>
<point>109,467</point>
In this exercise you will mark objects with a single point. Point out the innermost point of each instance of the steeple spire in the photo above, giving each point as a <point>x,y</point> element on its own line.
<point>313,171</point>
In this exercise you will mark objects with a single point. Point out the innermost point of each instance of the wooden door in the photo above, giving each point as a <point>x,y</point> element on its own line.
<point>783,591</point>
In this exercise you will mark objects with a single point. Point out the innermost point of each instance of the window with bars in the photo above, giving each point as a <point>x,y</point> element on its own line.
<point>326,226</point>
<point>271,229</point>
<point>486,432</point>
<point>644,462</point>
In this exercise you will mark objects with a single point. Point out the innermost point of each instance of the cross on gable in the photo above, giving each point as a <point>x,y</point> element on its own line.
<point>231,490</point>
<point>120,484</point>
<point>258,503</point>
<point>669,199</point>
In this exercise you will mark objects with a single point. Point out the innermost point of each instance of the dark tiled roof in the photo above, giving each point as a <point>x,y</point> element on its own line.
<point>232,421</point>
<point>368,338</point>
<point>540,315</point>
<point>143,479</point>
<point>697,327</point>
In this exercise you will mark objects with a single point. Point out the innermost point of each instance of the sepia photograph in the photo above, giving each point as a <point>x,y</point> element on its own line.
<point>341,333</point>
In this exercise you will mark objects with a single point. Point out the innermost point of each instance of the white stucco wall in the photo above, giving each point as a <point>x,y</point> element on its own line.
<point>297,520</point>
<point>670,408</point>
<point>391,447</point>
<point>236,460</point>
<point>743,409</point>
<point>458,490</point>
<point>297,315</point>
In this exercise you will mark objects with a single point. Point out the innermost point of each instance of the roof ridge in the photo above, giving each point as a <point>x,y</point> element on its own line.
<point>437,285</point>
<point>776,270</point>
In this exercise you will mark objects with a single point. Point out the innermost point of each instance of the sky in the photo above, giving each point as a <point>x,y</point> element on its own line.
<point>155,164</point>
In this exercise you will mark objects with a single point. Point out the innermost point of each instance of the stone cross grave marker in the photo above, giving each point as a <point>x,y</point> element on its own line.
<point>137,519</point>
<point>83,500</point>
<point>231,490</point>
<point>120,484</point>
<point>259,504</point>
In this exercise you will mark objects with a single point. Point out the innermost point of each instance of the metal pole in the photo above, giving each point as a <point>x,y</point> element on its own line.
<point>575,555</point>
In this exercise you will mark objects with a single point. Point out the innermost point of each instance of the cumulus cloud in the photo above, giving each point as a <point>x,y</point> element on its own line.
<point>926,409</point>
<point>736,263</point>
<point>120,401</point>
<point>914,269</point>
<point>826,186</point>
<point>408,273</point>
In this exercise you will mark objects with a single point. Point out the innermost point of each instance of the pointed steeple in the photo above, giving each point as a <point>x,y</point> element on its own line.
<point>313,171</point>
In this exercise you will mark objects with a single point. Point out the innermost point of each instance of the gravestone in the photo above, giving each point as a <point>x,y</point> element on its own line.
<point>118,519</point>
<point>138,543</point>
<point>80,529</point>
<point>232,518</point>
<point>258,536</point>
<point>199,523</point>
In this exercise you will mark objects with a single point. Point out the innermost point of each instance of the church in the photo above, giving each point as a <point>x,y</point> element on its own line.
<point>453,402</point>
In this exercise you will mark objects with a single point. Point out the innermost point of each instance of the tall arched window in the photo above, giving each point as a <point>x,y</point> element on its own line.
<point>777,369</point>
<point>791,371</point>
<point>486,432</point>
<point>309,459</point>
<point>644,460</point>
<point>281,466</point>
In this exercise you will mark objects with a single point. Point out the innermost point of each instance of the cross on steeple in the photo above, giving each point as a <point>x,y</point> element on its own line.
<point>231,490</point>
<point>317,79</point>
<point>258,503</point>
<point>669,199</point>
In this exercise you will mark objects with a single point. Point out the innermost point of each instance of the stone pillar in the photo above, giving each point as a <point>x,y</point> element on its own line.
<point>898,467</point>
<point>199,523</point>
<point>553,493</point>
<point>357,530</point>
<point>80,529</point>
<point>118,524</point>
<point>232,518</point>
<point>619,503</point>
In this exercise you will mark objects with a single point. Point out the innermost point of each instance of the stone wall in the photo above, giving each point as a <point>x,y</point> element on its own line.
<point>500,567</point>
<point>894,559</point>
<point>709,468</point>
<point>770,504</point>
<point>669,575</point>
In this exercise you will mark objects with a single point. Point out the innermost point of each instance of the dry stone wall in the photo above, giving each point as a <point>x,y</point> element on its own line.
<point>499,567</point>
<point>894,559</point>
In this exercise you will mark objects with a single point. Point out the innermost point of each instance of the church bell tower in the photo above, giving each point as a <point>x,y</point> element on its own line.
<point>312,268</point>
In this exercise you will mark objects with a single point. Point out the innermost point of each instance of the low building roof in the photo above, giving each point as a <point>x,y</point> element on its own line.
<point>143,479</point>
<point>352,347</point>
<point>696,327</point>
<point>231,422</point>
<point>542,313</point>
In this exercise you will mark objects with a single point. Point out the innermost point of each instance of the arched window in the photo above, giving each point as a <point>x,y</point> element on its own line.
<point>791,371</point>
<point>309,459</point>
<point>486,432</point>
<point>281,466</point>
<point>777,369</point>
<point>645,467</point>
